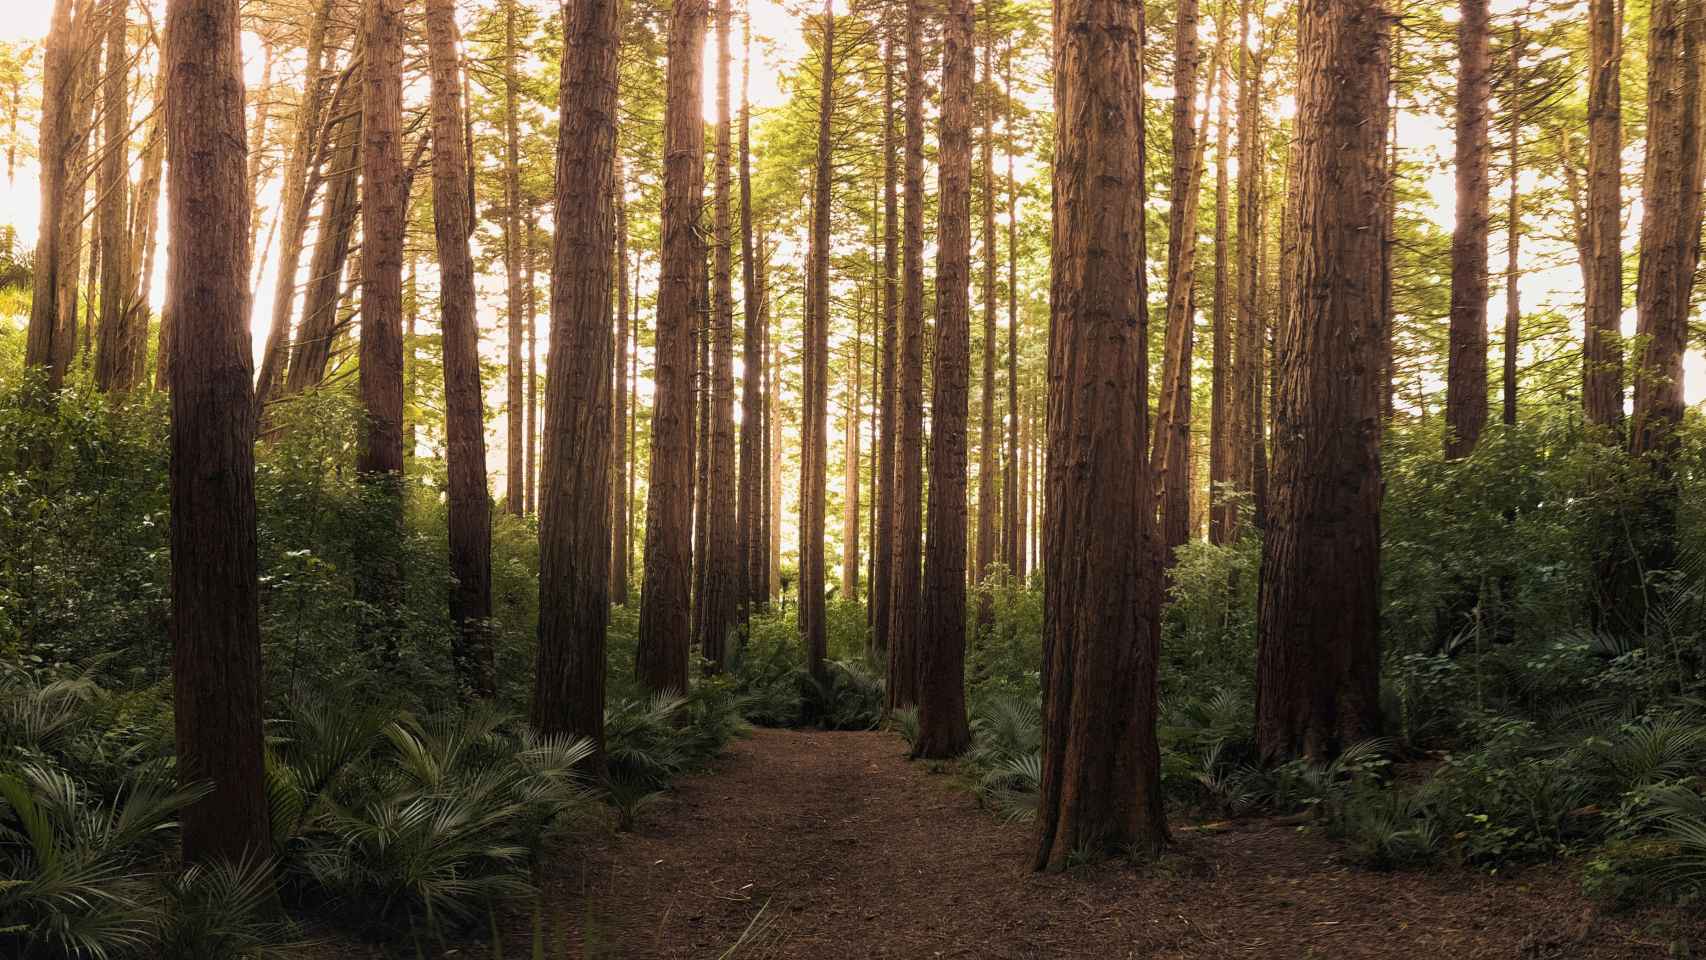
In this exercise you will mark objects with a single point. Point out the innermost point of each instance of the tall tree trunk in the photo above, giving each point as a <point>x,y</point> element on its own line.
<point>1223,436</point>
<point>773,435</point>
<point>215,621</point>
<point>1513,235</point>
<point>469,508</point>
<point>384,216</point>
<point>908,494</point>
<point>297,197</point>
<point>1101,766</point>
<point>145,240</point>
<point>1389,240</point>
<point>814,444</point>
<point>1466,366</point>
<point>574,511</point>
<point>515,448</point>
<point>44,345</point>
<point>665,601</point>
<point>117,367</point>
<point>1318,639</point>
<point>752,545</point>
<point>1249,344</point>
<point>882,544</point>
<point>723,563</point>
<point>1172,441</point>
<point>988,506</point>
<point>533,412</point>
<point>942,728</point>
<point>1602,280</point>
<point>850,463</point>
<point>619,399</point>
<point>1015,527</point>
<point>313,342</point>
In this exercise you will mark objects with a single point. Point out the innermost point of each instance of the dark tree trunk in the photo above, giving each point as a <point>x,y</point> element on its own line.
<point>882,544</point>
<point>619,400</point>
<point>515,487</point>
<point>1318,640</point>
<point>1250,339</point>
<point>665,601</point>
<point>574,510</point>
<point>1513,239</point>
<point>118,366</point>
<point>1466,366</point>
<point>469,507</point>
<point>988,505</point>
<point>1101,776</point>
<point>326,268</point>
<point>1015,526</point>
<point>723,563</point>
<point>908,494</point>
<point>45,345</point>
<point>815,360</point>
<point>215,623</point>
<point>1602,269</point>
<point>752,543</point>
<point>942,729</point>
<point>1222,525</point>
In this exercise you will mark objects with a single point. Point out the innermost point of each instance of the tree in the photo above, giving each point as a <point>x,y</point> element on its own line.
<point>1015,523</point>
<point>1223,437</point>
<point>753,545</point>
<point>215,623</point>
<point>45,346</point>
<point>942,729</point>
<point>723,563</point>
<point>882,544</point>
<point>665,603</point>
<point>988,507</point>
<point>619,398</point>
<point>1101,764</point>
<point>574,509</point>
<point>515,425</point>
<point>908,523</point>
<point>814,357</point>
<point>469,508</point>
<point>1466,377</point>
<point>1602,268</point>
<point>121,352</point>
<point>1318,642</point>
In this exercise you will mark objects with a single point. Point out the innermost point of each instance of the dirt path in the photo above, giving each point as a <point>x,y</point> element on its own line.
<point>832,845</point>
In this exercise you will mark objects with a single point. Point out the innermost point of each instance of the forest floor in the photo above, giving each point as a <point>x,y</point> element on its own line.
<point>803,844</point>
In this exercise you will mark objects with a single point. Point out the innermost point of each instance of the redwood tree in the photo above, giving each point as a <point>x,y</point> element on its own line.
<point>1101,764</point>
<point>723,560</point>
<point>942,729</point>
<point>44,345</point>
<point>215,622</point>
<point>882,544</point>
<point>753,544</point>
<point>665,603</point>
<point>1602,267</point>
<point>1466,365</point>
<point>574,506</point>
<point>1318,640</point>
<point>814,357</point>
<point>468,508</point>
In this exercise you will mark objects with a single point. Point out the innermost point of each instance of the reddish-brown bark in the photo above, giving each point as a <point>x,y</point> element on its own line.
<point>1466,364</point>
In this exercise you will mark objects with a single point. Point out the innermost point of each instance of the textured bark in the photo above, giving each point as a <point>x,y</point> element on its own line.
<point>313,341</point>
<point>574,509</point>
<point>942,728</point>
<point>988,504</point>
<point>665,603</point>
<point>118,365</point>
<point>1014,533</point>
<point>619,399</point>
<point>752,546</point>
<point>814,444</point>
<point>1389,241</point>
<point>723,562</point>
<point>1172,440</point>
<point>296,197</point>
<point>531,256</point>
<point>1513,242</point>
<point>773,435</point>
<point>1101,765</point>
<point>145,238</point>
<point>701,447</point>
<point>469,508</point>
<point>1602,268</point>
<point>882,544</point>
<point>1223,438</point>
<point>909,430</point>
<point>1318,643</point>
<point>515,425</point>
<point>215,622</point>
<point>1244,419</point>
<point>45,344</point>
<point>854,395</point>
<point>1466,366</point>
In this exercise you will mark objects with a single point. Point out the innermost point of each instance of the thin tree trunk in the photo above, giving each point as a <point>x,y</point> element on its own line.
<point>723,562</point>
<point>814,444</point>
<point>1222,435</point>
<point>117,367</point>
<point>773,436</point>
<point>752,545</point>
<point>1015,527</point>
<point>1466,366</point>
<point>1513,237</point>
<point>515,448</point>
<point>988,505</point>
<point>1244,420</point>
<point>215,621</point>
<point>469,508</point>
<point>533,413</point>
<point>619,399</point>
<point>665,601</point>
<point>1318,628</point>
<point>882,544</point>
<point>44,345</point>
<point>942,727</point>
<point>850,464</point>
<point>1602,269</point>
<point>313,342</point>
<point>1100,791</point>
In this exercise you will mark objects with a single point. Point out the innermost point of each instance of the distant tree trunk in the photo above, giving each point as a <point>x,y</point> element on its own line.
<point>1513,237</point>
<point>326,268</point>
<point>384,216</point>
<point>1249,344</point>
<point>619,399</point>
<point>1466,376</point>
<point>574,513</point>
<point>1223,436</point>
<point>908,532</point>
<point>665,601</point>
<point>118,368</point>
<point>773,436</point>
<point>701,449</point>
<point>1172,440</point>
<point>515,448</point>
<point>752,544</point>
<point>942,728</point>
<point>71,292</point>
<point>533,378</point>
<point>988,505</point>
<point>44,345</point>
<point>145,240</point>
<point>1602,269</point>
<point>1318,640</point>
<point>1670,255</point>
<point>1101,765</point>
<point>297,196</point>
<point>469,507</point>
<point>723,563</point>
<point>814,446</point>
<point>850,464</point>
<point>882,544</point>
<point>1389,241</point>
<point>1015,526</point>
<point>215,616</point>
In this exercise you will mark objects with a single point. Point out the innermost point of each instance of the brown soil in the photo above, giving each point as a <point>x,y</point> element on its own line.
<point>833,845</point>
